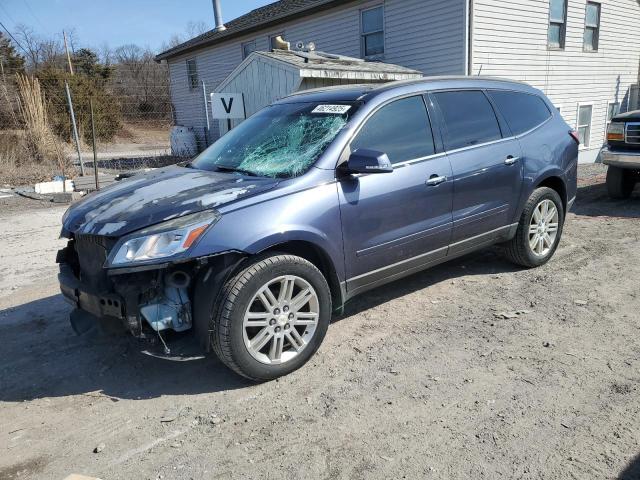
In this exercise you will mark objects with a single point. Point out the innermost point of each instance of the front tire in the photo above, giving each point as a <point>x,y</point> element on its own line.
<point>539,229</point>
<point>272,317</point>
<point>620,182</point>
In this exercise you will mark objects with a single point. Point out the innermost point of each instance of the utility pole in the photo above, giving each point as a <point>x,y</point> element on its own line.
<point>75,128</point>
<point>93,137</point>
<point>66,49</point>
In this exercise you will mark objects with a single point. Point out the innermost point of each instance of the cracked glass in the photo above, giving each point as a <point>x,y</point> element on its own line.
<point>279,141</point>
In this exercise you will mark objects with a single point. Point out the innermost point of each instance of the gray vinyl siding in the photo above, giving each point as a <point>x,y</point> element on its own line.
<point>272,80</point>
<point>426,35</point>
<point>510,40</point>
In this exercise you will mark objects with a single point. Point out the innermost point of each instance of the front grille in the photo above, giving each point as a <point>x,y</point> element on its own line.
<point>633,133</point>
<point>92,251</point>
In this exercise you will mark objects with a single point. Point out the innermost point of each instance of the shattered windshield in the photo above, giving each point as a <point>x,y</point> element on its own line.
<point>279,141</point>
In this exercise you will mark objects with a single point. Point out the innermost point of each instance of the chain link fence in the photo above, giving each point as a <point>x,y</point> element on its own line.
<point>132,119</point>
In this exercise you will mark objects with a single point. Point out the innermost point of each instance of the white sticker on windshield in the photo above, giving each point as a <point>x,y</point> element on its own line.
<point>332,109</point>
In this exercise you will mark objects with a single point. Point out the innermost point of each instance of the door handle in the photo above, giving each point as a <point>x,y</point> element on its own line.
<point>511,160</point>
<point>435,180</point>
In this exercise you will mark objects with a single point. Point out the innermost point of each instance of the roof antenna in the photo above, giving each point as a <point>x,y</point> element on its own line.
<point>217,12</point>
<point>480,71</point>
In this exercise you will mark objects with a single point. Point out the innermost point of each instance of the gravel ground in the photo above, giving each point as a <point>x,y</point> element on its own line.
<point>434,376</point>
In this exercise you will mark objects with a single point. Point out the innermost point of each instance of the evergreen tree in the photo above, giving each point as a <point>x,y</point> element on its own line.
<point>12,62</point>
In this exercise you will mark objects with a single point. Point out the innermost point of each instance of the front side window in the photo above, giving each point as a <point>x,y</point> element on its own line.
<point>468,117</point>
<point>584,124</point>
<point>281,141</point>
<point>248,48</point>
<point>400,129</point>
<point>522,111</point>
<point>557,23</point>
<point>372,31</point>
<point>592,27</point>
<point>192,73</point>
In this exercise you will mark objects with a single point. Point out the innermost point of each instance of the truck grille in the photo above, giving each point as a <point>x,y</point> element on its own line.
<point>633,133</point>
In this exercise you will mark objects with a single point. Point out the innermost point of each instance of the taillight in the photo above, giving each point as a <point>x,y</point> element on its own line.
<point>615,132</point>
<point>574,134</point>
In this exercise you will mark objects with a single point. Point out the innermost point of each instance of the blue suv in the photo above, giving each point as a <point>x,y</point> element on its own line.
<point>315,199</point>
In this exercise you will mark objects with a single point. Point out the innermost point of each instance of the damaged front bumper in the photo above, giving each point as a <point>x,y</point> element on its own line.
<point>143,301</point>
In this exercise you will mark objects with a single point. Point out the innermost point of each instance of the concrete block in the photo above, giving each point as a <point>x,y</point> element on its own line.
<point>54,187</point>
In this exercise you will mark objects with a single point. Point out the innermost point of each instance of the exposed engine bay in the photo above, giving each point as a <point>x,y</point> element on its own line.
<point>144,301</point>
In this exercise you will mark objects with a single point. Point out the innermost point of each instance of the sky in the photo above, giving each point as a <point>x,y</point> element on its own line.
<point>117,22</point>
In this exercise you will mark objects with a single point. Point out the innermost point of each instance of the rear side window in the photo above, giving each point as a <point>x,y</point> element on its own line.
<point>522,111</point>
<point>400,129</point>
<point>469,119</point>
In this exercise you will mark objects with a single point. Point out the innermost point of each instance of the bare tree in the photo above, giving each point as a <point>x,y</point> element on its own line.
<point>31,44</point>
<point>39,51</point>
<point>143,82</point>
<point>194,29</point>
<point>106,54</point>
<point>51,53</point>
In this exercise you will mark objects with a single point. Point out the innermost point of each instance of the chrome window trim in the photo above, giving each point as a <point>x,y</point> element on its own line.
<point>341,159</point>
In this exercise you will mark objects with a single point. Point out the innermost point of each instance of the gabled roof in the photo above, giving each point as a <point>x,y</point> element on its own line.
<point>326,65</point>
<point>258,19</point>
<point>321,65</point>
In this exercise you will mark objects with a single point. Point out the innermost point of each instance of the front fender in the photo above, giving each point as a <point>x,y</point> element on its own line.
<point>311,216</point>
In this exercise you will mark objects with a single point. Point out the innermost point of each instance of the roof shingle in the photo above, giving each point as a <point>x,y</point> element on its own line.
<point>262,17</point>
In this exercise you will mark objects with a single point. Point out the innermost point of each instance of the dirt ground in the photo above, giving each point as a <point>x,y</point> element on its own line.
<point>423,378</point>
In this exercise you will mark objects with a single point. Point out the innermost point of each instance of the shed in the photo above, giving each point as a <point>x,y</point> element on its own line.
<point>264,77</point>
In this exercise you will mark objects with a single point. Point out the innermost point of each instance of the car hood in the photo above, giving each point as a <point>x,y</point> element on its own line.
<point>157,196</point>
<point>628,117</point>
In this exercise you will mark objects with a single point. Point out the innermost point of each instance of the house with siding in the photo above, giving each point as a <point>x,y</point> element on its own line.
<point>585,55</point>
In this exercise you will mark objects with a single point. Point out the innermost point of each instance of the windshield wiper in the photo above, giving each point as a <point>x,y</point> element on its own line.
<point>222,168</point>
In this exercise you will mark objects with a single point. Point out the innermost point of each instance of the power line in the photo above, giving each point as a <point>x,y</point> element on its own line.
<point>34,15</point>
<point>13,38</point>
<point>7,13</point>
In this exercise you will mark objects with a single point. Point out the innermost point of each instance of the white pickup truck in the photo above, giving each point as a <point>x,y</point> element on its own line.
<point>622,154</point>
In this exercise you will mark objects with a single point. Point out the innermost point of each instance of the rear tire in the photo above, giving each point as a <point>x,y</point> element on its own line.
<point>620,182</point>
<point>259,305</point>
<point>536,241</point>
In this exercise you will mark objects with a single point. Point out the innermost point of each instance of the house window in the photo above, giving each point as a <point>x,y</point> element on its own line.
<point>247,48</point>
<point>592,27</point>
<point>557,23</point>
<point>613,109</point>
<point>585,113</point>
<point>372,26</point>
<point>192,73</point>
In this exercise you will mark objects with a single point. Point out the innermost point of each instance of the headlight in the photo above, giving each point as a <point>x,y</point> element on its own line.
<point>615,132</point>
<point>163,240</point>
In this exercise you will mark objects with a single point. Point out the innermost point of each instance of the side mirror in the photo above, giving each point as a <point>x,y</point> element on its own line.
<point>368,161</point>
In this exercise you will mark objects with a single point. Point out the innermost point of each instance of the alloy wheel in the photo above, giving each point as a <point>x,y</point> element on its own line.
<point>543,229</point>
<point>281,320</point>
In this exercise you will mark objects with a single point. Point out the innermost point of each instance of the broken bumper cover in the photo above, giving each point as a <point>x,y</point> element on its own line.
<point>95,303</point>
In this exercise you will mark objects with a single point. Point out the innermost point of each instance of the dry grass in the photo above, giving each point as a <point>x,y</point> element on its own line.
<point>40,141</point>
<point>34,153</point>
<point>14,168</point>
